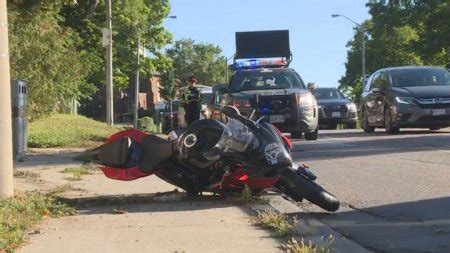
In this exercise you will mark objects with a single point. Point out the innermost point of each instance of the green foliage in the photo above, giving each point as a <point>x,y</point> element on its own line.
<point>25,209</point>
<point>76,173</point>
<point>294,246</point>
<point>44,53</point>
<point>399,33</point>
<point>61,130</point>
<point>203,60</point>
<point>146,124</point>
<point>279,223</point>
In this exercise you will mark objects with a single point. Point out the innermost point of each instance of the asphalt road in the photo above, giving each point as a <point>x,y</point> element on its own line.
<point>394,189</point>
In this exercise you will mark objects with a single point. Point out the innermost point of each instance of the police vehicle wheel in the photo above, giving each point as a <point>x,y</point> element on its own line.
<point>312,136</point>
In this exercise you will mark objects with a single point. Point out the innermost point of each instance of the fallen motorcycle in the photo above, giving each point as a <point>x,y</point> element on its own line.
<point>210,156</point>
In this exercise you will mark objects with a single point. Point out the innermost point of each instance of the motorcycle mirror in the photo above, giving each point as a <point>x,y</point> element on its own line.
<point>231,111</point>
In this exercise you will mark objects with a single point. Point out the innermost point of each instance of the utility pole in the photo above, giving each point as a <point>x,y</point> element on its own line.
<point>6,154</point>
<point>109,68</point>
<point>136,87</point>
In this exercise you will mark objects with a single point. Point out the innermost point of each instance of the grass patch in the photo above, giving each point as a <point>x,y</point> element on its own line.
<point>19,213</point>
<point>279,224</point>
<point>25,174</point>
<point>294,246</point>
<point>63,130</point>
<point>77,173</point>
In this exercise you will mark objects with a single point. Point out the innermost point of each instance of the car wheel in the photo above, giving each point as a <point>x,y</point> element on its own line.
<point>296,135</point>
<point>365,124</point>
<point>312,136</point>
<point>390,128</point>
<point>435,128</point>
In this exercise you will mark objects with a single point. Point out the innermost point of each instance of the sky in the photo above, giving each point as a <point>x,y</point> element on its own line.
<point>318,41</point>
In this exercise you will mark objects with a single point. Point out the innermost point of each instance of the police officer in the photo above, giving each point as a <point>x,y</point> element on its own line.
<point>191,98</point>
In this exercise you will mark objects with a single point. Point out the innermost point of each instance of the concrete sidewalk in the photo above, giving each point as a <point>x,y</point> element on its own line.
<point>144,215</point>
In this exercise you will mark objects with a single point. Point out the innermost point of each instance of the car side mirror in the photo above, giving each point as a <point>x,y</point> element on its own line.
<point>312,86</point>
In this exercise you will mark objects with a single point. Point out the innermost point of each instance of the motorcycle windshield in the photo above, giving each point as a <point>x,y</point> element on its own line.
<point>241,137</point>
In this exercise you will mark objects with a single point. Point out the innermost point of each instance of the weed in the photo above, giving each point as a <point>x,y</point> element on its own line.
<point>246,196</point>
<point>280,224</point>
<point>25,174</point>
<point>76,173</point>
<point>60,189</point>
<point>23,210</point>
<point>294,246</point>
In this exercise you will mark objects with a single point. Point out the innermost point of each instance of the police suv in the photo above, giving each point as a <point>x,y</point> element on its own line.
<point>265,86</point>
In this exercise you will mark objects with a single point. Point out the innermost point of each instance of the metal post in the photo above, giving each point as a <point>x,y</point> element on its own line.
<point>6,150</point>
<point>136,92</point>
<point>363,52</point>
<point>171,114</point>
<point>109,69</point>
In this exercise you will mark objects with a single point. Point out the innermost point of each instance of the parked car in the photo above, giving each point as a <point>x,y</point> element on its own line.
<point>413,97</point>
<point>275,93</point>
<point>335,108</point>
<point>177,113</point>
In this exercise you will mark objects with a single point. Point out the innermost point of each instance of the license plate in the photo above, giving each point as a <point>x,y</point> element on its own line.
<point>335,114</point>
<point>276,118</point>
<point>438,112</point>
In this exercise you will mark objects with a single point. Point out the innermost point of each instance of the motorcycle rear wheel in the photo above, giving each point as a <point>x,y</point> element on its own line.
<point>297,187</point>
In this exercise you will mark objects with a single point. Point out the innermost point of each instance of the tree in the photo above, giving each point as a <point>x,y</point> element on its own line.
<point>203,60</point>
<point>44,53</point>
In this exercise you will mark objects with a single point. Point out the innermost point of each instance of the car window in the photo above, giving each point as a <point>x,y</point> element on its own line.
<point>368,83</point>
<point>419,77</point>
<point>265,79</point>
<point>327,93</point>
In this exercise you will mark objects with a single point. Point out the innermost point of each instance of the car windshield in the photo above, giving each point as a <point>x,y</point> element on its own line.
<point>265,79</point>
<point>420,77</point>
<point>327,93</point>
<point>206,98</point>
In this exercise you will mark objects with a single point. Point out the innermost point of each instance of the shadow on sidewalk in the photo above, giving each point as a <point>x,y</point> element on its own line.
<point>141,203</point>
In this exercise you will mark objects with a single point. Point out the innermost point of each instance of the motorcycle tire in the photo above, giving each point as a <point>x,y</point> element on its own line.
<point>297,187</point>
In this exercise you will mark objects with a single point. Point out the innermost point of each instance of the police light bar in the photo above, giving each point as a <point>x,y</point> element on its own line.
<point>260,63</point>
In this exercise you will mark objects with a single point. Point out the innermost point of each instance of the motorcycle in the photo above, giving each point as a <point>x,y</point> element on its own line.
<point>211,156</point>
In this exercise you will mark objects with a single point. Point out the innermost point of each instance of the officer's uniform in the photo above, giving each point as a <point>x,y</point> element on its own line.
<point>191,97</point>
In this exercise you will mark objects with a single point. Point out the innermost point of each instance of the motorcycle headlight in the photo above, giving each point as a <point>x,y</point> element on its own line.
<point>352,107</point>
<point>275,153</point>
<point>405,100</point>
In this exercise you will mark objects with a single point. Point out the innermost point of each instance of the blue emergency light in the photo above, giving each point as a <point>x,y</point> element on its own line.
<point>260,63</point>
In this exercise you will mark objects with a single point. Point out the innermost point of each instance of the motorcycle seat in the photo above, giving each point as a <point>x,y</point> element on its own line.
<point>115,153</point>
<point>155,151</point>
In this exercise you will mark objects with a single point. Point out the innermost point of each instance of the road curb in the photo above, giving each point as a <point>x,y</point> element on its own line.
<point>308,227</point>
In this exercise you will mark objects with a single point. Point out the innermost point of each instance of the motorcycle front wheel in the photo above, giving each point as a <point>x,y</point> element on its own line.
<point>298,186</point>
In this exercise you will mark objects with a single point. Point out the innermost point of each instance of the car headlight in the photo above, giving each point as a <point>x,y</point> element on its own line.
<point>405,100</point>
<point>352,107</point>
<point>306,99</point>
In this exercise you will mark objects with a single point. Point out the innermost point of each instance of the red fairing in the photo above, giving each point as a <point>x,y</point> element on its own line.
<point>286,140</point>
<point>125,174</point>
<point>239,178</point>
